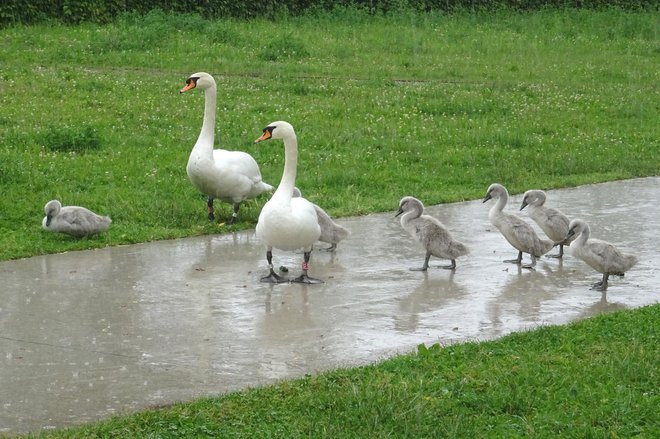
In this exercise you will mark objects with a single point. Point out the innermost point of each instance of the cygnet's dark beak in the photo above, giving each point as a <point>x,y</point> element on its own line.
<point>399,212</point>
<point>568,237</point>
<point>486,198</point>
<point>48,218</point>
<point>524,204</point>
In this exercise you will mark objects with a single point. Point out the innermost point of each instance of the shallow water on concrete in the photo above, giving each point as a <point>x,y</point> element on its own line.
<point>86,335</point>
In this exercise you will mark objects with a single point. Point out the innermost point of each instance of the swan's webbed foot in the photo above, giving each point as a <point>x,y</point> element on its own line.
<point>425,266</point>
<point>451,266</point>
<point>531,265</point>
<point>558,255</point>
<point>304,279</point>
<point>332,248</point>
<point>273,278</point>
<point>602,285</point>
<point>514,261</point>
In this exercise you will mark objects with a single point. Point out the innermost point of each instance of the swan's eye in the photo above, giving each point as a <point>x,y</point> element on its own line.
<point>269,130</point>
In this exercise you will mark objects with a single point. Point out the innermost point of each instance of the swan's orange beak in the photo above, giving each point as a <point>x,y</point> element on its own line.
<point>265,136</point>
<point>190,84</point>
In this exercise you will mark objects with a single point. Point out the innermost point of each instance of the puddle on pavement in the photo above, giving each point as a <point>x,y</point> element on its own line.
<point>86,335</point>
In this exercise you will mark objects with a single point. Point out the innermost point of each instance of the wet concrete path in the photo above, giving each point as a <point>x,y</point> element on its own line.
<point>86,335</point>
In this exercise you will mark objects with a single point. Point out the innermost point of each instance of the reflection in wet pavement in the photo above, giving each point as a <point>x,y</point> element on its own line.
<point>86,335</point>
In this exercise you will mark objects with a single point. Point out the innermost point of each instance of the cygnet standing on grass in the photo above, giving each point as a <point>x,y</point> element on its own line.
<point>516,231</point>
<point>552,221</point>
<point>331,232</point>
<point>430,232</point>
<point>599,255</point>
<point>73,220</point>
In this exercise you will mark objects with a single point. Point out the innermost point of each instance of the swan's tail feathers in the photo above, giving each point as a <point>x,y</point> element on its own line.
<point>261,187</point>
<point>458,249</point>
<point>545,247</point>
<point>331,232</point>
<point>342,232</point>
<point>629,261</point>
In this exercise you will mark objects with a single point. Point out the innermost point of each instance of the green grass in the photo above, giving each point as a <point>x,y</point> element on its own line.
<point>592,379</point>
<point>435,106</point>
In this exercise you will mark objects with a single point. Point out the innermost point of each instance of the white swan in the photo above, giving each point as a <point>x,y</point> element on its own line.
<point>287,223</point>
<point>599,255</point>
<point>552,221</point>
<point>229,176</point>
<point>331,232</point>
<point>516,231</point>
<point>73,220</point>
<point>430,232</point>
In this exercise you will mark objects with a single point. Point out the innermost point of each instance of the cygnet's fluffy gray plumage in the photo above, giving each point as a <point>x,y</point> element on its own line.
<point>73,220</point>
<point>599,255</point>
<point>430,232</point>
<point>331,232</point>
<point>552,221</point>
<point>516,231</point>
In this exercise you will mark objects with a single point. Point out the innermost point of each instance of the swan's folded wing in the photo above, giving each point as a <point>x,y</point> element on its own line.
<point>523,231</point>
<point>76,217</point>
<point>610,257</point>
<point>554,216</point>
<point>237,161</point>
<point>431,232</point>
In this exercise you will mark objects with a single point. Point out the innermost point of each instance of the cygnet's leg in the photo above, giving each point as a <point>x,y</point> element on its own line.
<point>451,266</point>
<point>426,263</point>
<point>561,252</point>
<point>234,214</point>
<point>532,264</point>
<point>331,248</point>
<point>272,277</point>
<point>209,203</point>
<point>303,278</point>
<point>515,261</point>
<point>602,285</point>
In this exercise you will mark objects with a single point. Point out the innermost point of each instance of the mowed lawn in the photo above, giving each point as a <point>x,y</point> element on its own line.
<point>434,106</point>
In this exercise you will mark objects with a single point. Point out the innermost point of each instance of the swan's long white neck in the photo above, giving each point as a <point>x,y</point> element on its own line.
<point>288,181</point>
<point>501,203</point>
<point>584,236</point>
<point>410,215</point>
<point>207,135</point>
